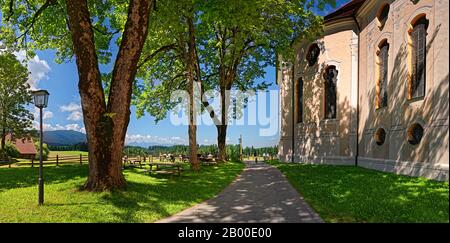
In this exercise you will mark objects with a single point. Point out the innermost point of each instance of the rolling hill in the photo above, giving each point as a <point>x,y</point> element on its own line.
<point>64,137</point>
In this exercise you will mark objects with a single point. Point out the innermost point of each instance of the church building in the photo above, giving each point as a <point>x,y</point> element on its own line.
<point>372,91</point>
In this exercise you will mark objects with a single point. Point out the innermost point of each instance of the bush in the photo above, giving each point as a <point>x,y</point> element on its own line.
<point>45,151</point>
<point>233,152</point>
<point>11,150</point>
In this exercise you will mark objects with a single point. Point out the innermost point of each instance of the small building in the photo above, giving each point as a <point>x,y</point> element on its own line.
<point>25,146</point>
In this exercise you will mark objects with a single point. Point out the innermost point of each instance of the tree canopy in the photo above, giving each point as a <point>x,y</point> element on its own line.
<point>234,42</point>
<point>86,31</point>
<point>15,95</point>
<point>167,45</point>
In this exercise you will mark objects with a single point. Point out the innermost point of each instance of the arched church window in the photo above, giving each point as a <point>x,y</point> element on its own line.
<point>383,57</point>
<point>330,77</point>
<point>299,92</point>
<point>418,54</point>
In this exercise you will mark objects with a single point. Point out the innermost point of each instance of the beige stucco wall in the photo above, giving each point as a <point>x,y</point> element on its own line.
<point>284,81</point>
<point>316,139</point>
<point>334,141</point>
<point>430,157</point>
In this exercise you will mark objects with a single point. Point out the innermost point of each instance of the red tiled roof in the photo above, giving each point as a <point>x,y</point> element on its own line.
<point>25,146</point>
<point>348,10</point>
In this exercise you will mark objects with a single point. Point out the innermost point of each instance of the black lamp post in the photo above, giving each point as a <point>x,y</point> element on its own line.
<point>41,101</point>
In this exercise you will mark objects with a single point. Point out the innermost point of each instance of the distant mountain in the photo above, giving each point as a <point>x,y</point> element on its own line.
<point>64,137</point>
<point>147,144</point>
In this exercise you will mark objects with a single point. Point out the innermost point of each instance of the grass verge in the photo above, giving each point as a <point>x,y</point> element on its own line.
<point>145,199</point>
<point>355,194</point>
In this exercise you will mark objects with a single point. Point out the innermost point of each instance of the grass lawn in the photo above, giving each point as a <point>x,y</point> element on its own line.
<point>355,194</point>
<point>67,153</point>
<point>73,155</point>
<point>145,199</point>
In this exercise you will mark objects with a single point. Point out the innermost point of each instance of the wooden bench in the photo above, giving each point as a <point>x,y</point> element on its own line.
<point>176,167</point>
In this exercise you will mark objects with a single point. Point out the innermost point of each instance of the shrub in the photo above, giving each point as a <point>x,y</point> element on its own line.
<point>11,150</point>
<point>45,151</point>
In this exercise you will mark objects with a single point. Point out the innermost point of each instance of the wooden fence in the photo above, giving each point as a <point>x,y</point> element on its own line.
<point>84,159</point>
<point>60,160</point>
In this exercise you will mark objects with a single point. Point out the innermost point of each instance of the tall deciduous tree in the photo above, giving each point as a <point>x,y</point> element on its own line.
<point>228,42</point>
<point>15,95</point>
<point>170,65</point>
<point>240,38</point>
<point>85,30</point>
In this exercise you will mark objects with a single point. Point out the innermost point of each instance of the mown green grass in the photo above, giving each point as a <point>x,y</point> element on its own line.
<point>65,157</point>
<point>146,198</point>
<point>355,194</point>
<point>67,153</point>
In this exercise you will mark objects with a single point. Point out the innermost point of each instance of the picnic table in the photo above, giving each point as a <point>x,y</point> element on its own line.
<point>132,161</point>
<point>176,167</point>
<point>207,160</point>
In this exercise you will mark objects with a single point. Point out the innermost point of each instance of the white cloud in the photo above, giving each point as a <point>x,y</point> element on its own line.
<point>75,116</point>
<point>138,138</point>
<point>74,127</point>
<point>208,142</point>
<point>37,67</point>
<point>46,114</point>
<point>70,107</point>
<point>50,127</point>
<point>75,111</point>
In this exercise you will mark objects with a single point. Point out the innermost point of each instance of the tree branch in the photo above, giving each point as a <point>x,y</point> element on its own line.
<point>103,32</point>
<point>152,55</point>
<point>175,77</point>
<point>207,77</point>
<point>36,15</point>
<point>11,12</point>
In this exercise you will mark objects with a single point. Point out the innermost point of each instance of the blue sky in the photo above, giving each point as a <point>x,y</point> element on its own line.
<point>64,111</point>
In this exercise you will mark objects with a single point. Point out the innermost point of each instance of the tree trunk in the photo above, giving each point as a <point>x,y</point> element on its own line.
<point>222,128</point>
<point>191,62</point>
<point>192,130</point>
<point>3,139</point>
<point>106,125</point>
<point>221,142</point>
<point>193,148</point>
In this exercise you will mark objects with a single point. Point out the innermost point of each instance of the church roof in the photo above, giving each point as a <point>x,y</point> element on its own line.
<point>348,10</point>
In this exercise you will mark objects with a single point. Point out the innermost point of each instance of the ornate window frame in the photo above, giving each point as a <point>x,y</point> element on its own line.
<point>424,11</point>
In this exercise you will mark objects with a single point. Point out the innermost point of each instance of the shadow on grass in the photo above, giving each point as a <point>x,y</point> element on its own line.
<point>146,198</point>
<point>27,176</point>
<point>168,194</point>
<point>354,194</point>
